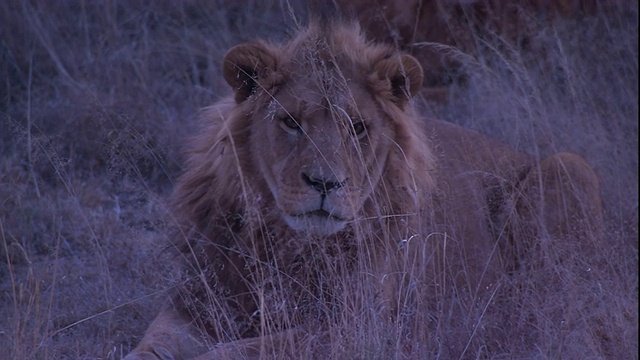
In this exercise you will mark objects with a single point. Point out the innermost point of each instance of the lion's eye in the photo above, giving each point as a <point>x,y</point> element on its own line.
<point>289,123</point>
<point>359,129</point>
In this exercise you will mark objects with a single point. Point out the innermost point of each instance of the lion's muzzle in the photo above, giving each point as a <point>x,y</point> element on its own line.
<point>324,186</point>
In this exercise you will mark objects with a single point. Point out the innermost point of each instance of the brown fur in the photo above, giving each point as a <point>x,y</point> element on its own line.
<point>392,194</point>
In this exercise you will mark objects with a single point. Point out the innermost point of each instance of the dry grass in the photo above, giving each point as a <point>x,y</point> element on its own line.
<point>95,104</point>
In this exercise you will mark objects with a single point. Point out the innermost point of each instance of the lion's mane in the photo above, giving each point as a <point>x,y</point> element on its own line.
<point>223,201</point>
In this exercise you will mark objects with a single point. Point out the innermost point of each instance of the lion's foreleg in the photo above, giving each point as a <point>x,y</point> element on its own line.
<point>297,343</point>
<point>171,335</point>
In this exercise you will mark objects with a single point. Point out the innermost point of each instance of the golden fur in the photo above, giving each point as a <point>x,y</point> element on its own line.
<point>318,168</point>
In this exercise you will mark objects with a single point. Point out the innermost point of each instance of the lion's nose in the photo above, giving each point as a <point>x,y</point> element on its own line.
<point>323,186</point>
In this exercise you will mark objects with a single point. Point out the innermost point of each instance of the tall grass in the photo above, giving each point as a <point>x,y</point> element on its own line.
<point>97,100</point>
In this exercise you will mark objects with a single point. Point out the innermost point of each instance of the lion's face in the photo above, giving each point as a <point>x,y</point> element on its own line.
<point>325,152</point>
<point>319,134</point>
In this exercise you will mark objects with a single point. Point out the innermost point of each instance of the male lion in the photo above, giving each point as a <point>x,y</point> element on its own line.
<point>316,195</point>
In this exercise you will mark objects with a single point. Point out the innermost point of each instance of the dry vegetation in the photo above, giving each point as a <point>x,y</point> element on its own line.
<point>97,99</point>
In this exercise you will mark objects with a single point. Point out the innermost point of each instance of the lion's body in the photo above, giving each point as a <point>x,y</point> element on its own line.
<point>318,176</point>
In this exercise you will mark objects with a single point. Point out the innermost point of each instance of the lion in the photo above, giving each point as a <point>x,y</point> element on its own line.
<point>318,178</point>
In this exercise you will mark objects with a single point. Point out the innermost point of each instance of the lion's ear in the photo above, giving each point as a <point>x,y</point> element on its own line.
<point>403,77</point>
<point>248,66</point>
<point>412,72</point>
